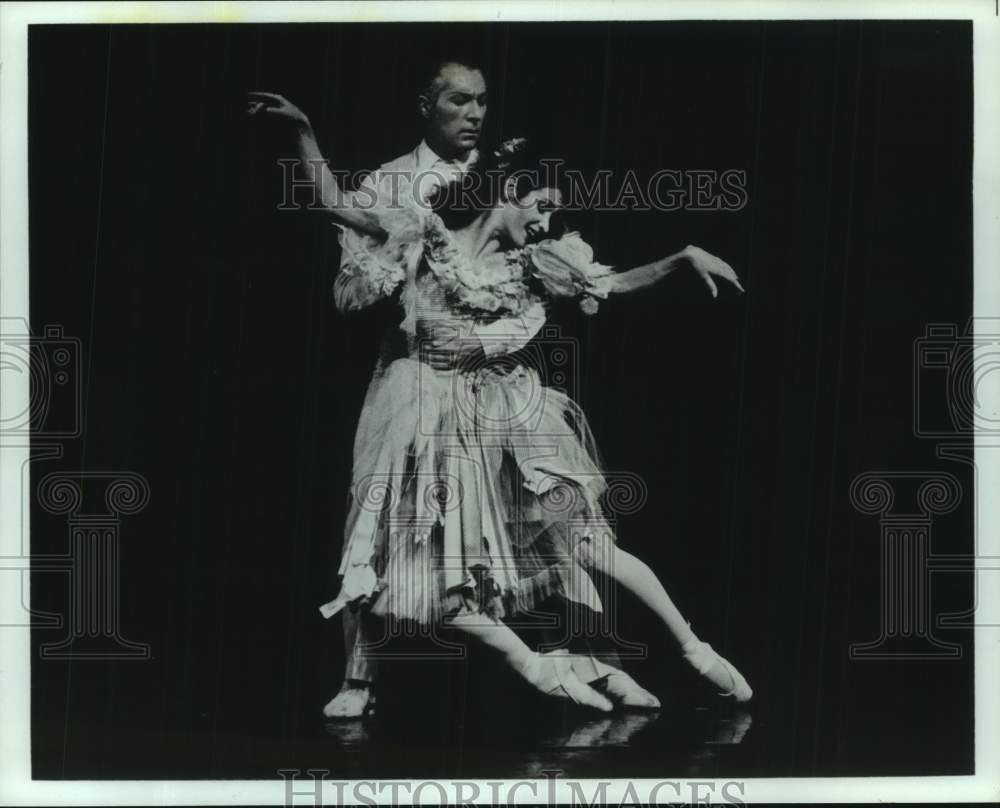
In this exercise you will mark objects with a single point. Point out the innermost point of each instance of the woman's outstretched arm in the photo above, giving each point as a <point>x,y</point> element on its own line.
<point>635,280</point>
<point>314,165</point>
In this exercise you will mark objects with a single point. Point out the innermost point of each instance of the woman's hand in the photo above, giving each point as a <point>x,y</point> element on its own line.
<point>648,275</point>
<point>707,265</point>
<point>279,106</point>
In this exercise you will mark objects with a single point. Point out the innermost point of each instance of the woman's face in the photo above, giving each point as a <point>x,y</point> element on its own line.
<point>528,218</point>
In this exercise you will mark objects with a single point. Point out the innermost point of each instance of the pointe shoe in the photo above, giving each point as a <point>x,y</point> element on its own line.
<point>703,658</point>
<point>351,702</point>
<point>627,692</point>
<point>552,674</point>
<point>615,683</point>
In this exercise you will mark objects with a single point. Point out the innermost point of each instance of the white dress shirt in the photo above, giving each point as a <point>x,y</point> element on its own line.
<point>432,170</point>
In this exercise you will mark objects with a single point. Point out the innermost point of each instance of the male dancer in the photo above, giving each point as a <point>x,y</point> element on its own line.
<point>453,105</point>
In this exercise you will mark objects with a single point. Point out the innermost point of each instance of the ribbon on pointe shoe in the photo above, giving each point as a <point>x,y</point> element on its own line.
<point>614,682</point>
<point>554,676</point>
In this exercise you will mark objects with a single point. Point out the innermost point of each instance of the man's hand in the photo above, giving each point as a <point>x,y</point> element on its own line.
<point>279,106</point>
<point>359,584</point>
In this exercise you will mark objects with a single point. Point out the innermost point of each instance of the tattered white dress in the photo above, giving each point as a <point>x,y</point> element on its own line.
<point>476,488</point>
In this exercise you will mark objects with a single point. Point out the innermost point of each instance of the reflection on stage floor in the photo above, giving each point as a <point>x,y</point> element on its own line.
<point>673,741</point>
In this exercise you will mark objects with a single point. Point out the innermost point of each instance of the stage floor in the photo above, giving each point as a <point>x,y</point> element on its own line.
<point>578,744</point>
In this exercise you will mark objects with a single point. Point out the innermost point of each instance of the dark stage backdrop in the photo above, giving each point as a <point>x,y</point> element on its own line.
<point>215,365</point>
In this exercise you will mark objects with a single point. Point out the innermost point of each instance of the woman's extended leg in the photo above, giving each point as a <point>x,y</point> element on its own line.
<point>550,673</point>
<point>636,576</point>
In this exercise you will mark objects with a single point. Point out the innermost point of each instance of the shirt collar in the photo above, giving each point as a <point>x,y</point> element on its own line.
<point>428,158</point>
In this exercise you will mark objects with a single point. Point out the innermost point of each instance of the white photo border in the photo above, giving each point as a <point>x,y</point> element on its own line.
<point>16,786</point>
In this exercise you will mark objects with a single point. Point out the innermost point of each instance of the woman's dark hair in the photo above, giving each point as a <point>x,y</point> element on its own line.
<point>506,173</point>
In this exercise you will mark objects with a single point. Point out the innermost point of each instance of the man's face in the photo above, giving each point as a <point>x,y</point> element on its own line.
<point>455,117</point>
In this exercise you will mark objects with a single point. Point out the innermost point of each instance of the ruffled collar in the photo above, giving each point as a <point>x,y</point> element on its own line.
<point>494,284</point>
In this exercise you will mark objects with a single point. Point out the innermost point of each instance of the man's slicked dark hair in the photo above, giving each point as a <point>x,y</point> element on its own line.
<point>429,85</point>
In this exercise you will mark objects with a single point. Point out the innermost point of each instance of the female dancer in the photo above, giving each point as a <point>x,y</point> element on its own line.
<point>475,489</point>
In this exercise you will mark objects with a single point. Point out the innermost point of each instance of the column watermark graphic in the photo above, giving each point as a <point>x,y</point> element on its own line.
<point>907,630</point>
<point>500,506</point>
<point>486,584</point>
<point>93,503</point>
<point>93,562</point>
<point>956,378</point>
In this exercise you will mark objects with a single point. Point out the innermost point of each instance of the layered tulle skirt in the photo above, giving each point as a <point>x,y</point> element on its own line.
<point>471,490</point>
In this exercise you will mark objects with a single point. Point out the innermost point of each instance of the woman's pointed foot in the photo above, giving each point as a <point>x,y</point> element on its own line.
<point>613,682</point>
<point>718,670</point>
<point>352,701</point>
<point>552,674</point>
<point>627,692</point>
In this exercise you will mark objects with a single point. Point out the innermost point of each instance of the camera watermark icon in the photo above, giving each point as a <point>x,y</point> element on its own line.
<point>16,612</point>
<point>47,368</point>
<point>956,402</point>
<point>956,381</point>
<point>509,386</point>
<point>50,365</point>
<point>956,386</point>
